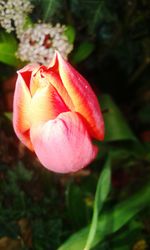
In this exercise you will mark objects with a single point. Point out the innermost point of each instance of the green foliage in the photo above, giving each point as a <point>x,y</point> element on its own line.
<point>143,114</point>
<point>94,12</point>
<point>50,7</point>
<point>12,188</point>
<point>8,115</point>
<point>46,234</point>
<point>70,33</point>
<point>82,52</point>
<point>82,195</point>
<point>20,173</point>
<point>47,8</point>
<point>124,239</point>
<point>8,48</point>
<point>110,221</point>
<point>18,201</point>
<point>111,47</point>
<point>116,126</point>
<point>103,188</point>
<point>76,205</point>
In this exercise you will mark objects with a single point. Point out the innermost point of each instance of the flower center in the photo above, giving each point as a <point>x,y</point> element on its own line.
<point>47,41</point>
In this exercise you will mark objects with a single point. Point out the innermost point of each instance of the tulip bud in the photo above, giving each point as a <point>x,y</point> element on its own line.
<point>56,115</point>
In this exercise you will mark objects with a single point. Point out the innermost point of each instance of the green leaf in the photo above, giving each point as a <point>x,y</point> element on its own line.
<point>8,48</point>
<point>76,205</point>
<point>93,13</point>
<point>103,188</point>
<point>124,239</point>
<point>116,126</point>
<point>28,23</point>
<point>125,247</point>
<point>100,14</point>
<point>111,221</point>
<point>82,52</point>
<point>143,114</point>
<point>70,33</point>
<point>8,115</point>
<point>50,7</point>
<point>20,173</point>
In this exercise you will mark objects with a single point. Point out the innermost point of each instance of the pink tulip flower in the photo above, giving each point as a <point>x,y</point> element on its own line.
<point>56,114</point>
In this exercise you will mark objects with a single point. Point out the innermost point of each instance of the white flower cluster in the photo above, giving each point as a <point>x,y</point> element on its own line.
<point>13,14</point>
<point>38,43</point>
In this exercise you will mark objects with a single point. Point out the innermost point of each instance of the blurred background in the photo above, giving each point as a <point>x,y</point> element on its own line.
<point>108,42</point>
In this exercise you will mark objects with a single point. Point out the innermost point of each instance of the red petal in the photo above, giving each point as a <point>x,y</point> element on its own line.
<point>27,73</point>
<point>82,96</point>
<point>54,79</point>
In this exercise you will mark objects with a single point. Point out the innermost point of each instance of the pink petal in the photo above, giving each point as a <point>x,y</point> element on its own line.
<point>82,96</point>
<point>63,145</point>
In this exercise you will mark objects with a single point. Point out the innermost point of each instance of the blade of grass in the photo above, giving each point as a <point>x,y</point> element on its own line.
<point>103,188</point>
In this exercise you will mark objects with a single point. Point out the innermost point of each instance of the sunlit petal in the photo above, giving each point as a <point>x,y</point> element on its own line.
<point>21,111</point>
<point>46,104</point>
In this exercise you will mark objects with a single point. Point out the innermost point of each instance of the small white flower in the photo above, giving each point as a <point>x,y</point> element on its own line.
<point>38,43</point>
<point>13,14</point>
